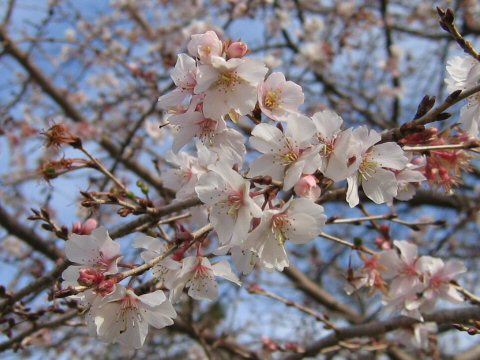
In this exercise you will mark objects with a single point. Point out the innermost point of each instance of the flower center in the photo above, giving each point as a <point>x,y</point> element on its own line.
<point>367,168</point>
<point>272,99</point>
<point>227,80</point>
<point>279,222</point>
<point>235,201</point>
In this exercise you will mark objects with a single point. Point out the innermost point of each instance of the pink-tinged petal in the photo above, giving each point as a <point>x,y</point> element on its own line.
<point>222,269</point>
<point>451,294</point>
<point>453,268</point>
<point>162,317</point>
<point>252,71</point>
<point>292,96</point>
<point>183,71</point>
<point>392,264</point>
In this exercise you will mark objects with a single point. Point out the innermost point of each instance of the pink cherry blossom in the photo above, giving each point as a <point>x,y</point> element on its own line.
<point>205,46</point>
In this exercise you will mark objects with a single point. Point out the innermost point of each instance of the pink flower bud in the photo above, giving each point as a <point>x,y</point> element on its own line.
<point>307,187</point>
<point>237,49</point>
<point>89,277</point>
<point>106,287</point>
<point>86,228</point>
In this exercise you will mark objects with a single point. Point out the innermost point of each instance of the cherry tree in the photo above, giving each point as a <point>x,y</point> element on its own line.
<point>239,179</point>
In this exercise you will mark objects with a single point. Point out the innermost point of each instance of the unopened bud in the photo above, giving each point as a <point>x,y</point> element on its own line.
<point>237,49</point>
<point>90,277</point>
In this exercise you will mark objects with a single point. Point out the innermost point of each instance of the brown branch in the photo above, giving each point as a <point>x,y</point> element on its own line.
<point>12,226</point>
<point>303,283</point>
<point>35,327</point>
<point>377,328</point>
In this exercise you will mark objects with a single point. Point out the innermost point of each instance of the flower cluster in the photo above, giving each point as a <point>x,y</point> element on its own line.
<point>410,283</point>
<point>256,204</point>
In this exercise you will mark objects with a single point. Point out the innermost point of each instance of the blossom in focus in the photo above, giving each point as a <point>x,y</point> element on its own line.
<point>228,193</point>
<point>198,275</point>
<point>286,155</point>
<point>372,164</point>
<point>299,220</point>
<point>229,86</point>
<point>94,256</point>
<point>278,97</point>
<point>334,154</point>
<point>124,317</point>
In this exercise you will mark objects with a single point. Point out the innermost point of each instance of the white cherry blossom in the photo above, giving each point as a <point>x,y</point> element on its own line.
<point>124,317</point>
<point>229,86</point>
<point>299,220</point>
<point>198,275</point>
<point>372,166</point>
<point>286,155</point>
<point>184,77</point>
<point>463,72</point>
<point>278,97</point>
<point>232,208</point>
<point>336,143</point>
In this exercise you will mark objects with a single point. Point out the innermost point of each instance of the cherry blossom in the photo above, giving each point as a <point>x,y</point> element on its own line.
<point>278,97</point>
<point>286,155</point>
<point>463,72</point>
<point>372,164</point>
<point>336,150</point>
<point>198,275</point>
<point>124,317</point>
<point>205,46</point>
<point>229,86</point>
<point>299,220</point>
<point>97,251</point>
<point>438,276</point>
<point>167,270</point>
<point>227,192</point>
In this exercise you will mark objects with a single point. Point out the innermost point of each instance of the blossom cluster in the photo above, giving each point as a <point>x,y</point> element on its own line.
<point>257,203</point>
<point>410,283</point>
